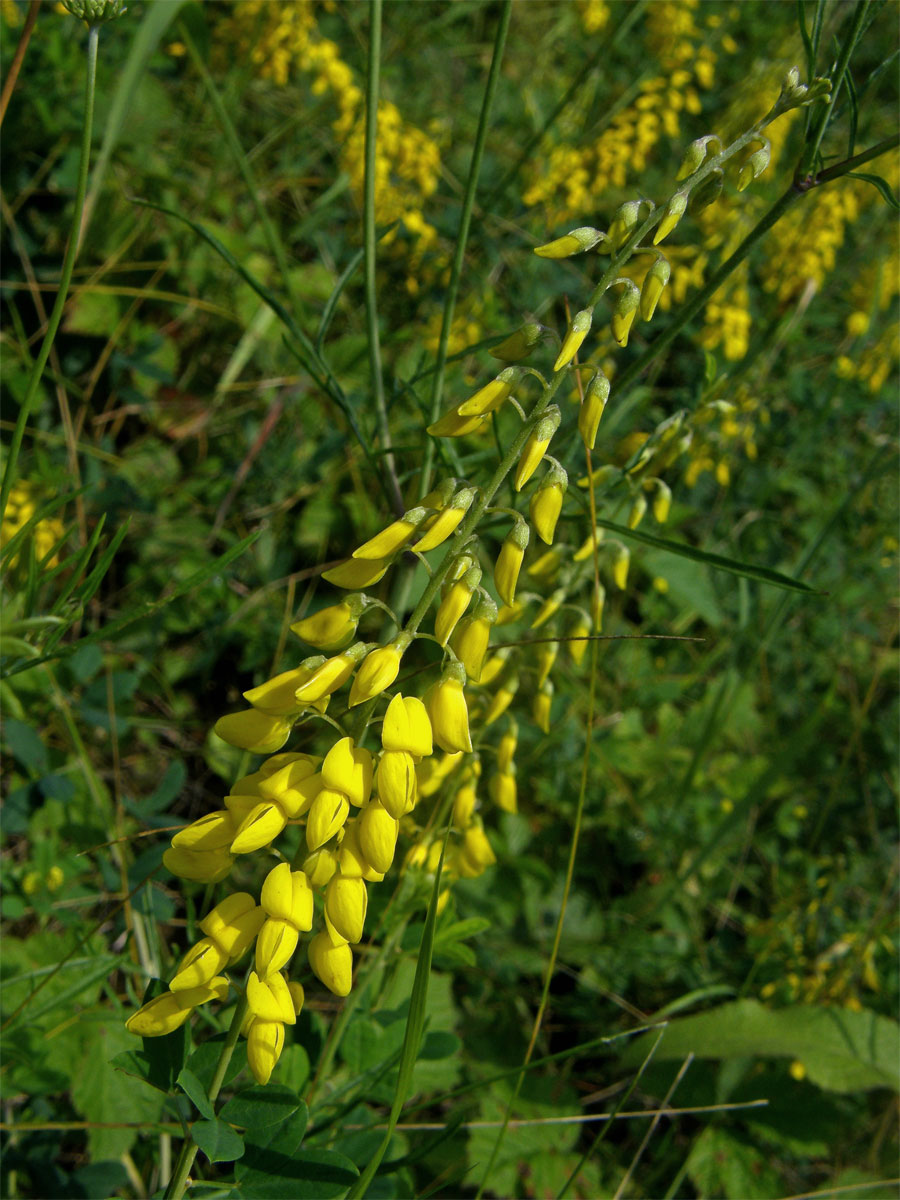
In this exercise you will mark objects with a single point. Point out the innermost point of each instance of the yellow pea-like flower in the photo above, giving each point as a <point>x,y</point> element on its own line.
<point>406,727</point>
<point>333,965</point>
<point>352,860</point>
<point>519,344</point>
<point>277,696</point>
<point>348,769</point>
<point>493,668</point>
<point>166,1013</point>
<point>501,699</point>
<point>503,792</point>
<point>201,866</point>
<point>509,561</point>
<point>255,731</point>
<point>541,708</point>
<point>447,521</point>
<point>332,674</point>
<point>355,573</point>
<point>550,606</point>
<point>637,511</point>
<point>378,832</point>
<point>275,946</point>
<point>546,503</point>
<point>293,789</point>
<point>546,657</point>
<point>538,441</point>
<point>265,1041</point>
<point>592,409</point>
<point>329,811</point>
<point>652,288</point>
<point>451,424</point>
<point>578,331</point>
<point>287,896</point>
<point>394,538</point>
<point>476,854</point>
<point>333,627</point>
<point>379,670</point>
<point>212,832</point>
<point>262,825</point>
<point>446,704</point>
<point>270,999</point>
<point>507,748</point>
<point>578,645</point>
<point>574,242</point>
<point>464,803</point>
<point>431,773</point>
<point>201,963</point>
<point>396,782</point>
<point>621,563</point>
<point>624,313</point>
<point>489,398</point>
<point>662,502</point>
<point>675,210</point>
<point>319,866</point>
<point>455,603</point>
<point>624,223</point>
<point>472,637</point>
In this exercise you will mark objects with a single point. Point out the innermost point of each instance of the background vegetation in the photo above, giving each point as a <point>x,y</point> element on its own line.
<point>186,478</point>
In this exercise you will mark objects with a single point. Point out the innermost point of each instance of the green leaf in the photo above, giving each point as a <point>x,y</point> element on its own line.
<point>719,561</point>
<point>205,1059</point>
<point>102,1094</point>
<point>259,1107</point>
<point>881,185</point>
<point>25,745</point>
<point>218,1141</point>
<point>311,1175</point>
<point>721,1164</point>
<point>841,1050</point>
<point>195,1092</point>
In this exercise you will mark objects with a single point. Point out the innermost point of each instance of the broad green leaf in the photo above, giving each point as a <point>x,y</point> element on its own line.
<point>306,1175</point>
<point>721,1164</point>
<point>719,561</point>
<point>205,1059</point>
<point>259,1107</point>
<point>195,1092</point>
<point>218,1141</point>
<point>103,1094</point>
<point>841,1050</point>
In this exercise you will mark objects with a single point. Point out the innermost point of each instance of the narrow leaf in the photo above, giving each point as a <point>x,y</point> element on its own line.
<point>881,184</point>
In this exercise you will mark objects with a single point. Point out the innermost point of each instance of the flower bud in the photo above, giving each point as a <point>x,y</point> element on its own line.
<point>472,637</point>
<point>393,538</point>
<point>652,288</point>
<point>454,604</point>
<point>494,666</point>
<point>95,12</point>
<point>269,999</point>
<point>254,731</point>
<point>345,905</point>
<point>598,601</point>
<point>319,867</point>
<point>546,503</point>
<point>446,521</point>
<point>578,645</point>
<point>348,768</point>
<point>592,408</point>
<point>578,331</point>
<point>509,561</point>
<point>431,773</point>
<point>501,699</point>
<point>693,158</point>
<point>332,964</point>
<point>354,573</point>
<point>446,704</point>
<point>332,674</point>
<point>379,670</point>
<point>620,566</point>
<point>519,344</point>
<point>352,858</point>
<point>662,502</point>
<point>476,853</point>
<point>451,424</point>
<point>329,811</point>
<point>464,806</point>
<point>332,628</point>
<point>502,789</point>
<point>378,832</point>
<point>489,398</point>
<point>624,223</point>
<point>574,242</point>
<point>546,657</point>
<point>754,166</point>
<point>406,727</point>
<point>624,313</point>
<point>538,441</point>
<point>550,606</point>
<point>276,697</point>
<point>265,1041</point>
<point>637,510</point>
<point>675,210</point>
<point>507,748</point>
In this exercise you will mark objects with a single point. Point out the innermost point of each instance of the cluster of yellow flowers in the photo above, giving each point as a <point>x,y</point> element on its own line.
<point>569,177</point>
<point>873,361</point>
<point>720,428</point>
<point>284,39</point>
<point>20,508</point>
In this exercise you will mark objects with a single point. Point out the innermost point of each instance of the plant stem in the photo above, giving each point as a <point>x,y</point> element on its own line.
<point>462,237</point>
<point>811,150</point>
<point>370,243</point>
<point>37,370</point>
<point>188,1154</point>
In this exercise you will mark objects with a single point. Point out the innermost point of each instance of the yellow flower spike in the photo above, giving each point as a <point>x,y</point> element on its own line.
<point>394,538</point>
<point>451,424</point>
<point>549,607</point>
<point>333,965</point>
<point>168,1012</point>
<point>578,646</point>
<point>637,511</point>
<point>396,782</point>
<point>489,398</point>
<point>540,710</point>
<point>592,409</point>
<point>261,826</point>
<point>501,699</point>
<point>348,768</point>
<point>333,627</point>
<point>464,806</point>
<point>538,441</point>
<point>578,331</point>
<point>254,731</point>
<point>269,999</point>
<point>652,288</point>
<point>675,210</point>
<point>624,223</point>
<point>332,674</point>
<point>378,832</point>
<point>265,1041</point>
<point>621,562</point>
<point>352,860</point>
<point>546,657</point>
<point>503,792</point>
<point>379,670</point>
<point>355,573</point>
<point>546,503</point>
<point>406,727</point>
<point>430,775</point>
<point>519,344</point>
<point>319,866</point>
<point>446,704</point>
<point>454,604</point>
<point>509,561</point>
<point>275,946</point>
<point>576,241</point>
<point>476,854</point>
<point>201,963</point>
<point>472,637</point>
<point>212,832</point>
<point>329,811</point>
<point>624,313</point>
<point>201,866</point>
<point>446,522</point>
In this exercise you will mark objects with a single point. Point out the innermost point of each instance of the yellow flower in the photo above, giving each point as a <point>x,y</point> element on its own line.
<point>502,788</point>
<point>332,674</point>
<point>538,441</point>
<point>652,288</point>
<point>351,858</point>
<point>166,1013</point>
<point>265,1041</point>
<point>287,896</point>
<point>392,539</point>
<point>489,398</point>
<point>348,769</point>
<point>519,344</point>
<point>550,606</point>
<point>541,708</point>
<point>202,866</point>
<point>329,811</point>
<point>332,628</point>
<point>675,210</point>
<point>574,242</point>
<point>472,637</point>
<point>396,782</point>
<point>332,964</point>
<point>578,331</point>
<point>546,503</point>
<point>346,901</point>
<point>476,853</point>
<point>355,573</point>
<point>592,408</point>
<point>255,731</point>
<point>621,563</point>
<point>624,313</point>
<point>446,704</point>
<point>501,699</point>
<point>446,521</point>
<point>269,999</point>
<point>379,670</point>
<point>406,727</point>
<point>509,561</point>
<point>378,831</point>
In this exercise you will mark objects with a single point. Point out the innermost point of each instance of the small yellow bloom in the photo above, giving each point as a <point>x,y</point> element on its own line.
<point>472,637</point>
<point>507,748</point>
<point>202,866</point>
<point>662,502</point>
<point>489,398</point>
<point>509,561</point>
<point>534,449</point>
<point>346,900</point>
<point>446,704</point>
<point>270,999</point>
<point>501,699</point>
<point>329,811</point>
<point>578,331</point>
<point>451,424</point>
<point>546,657</point>
<point>348,769</point>
<point>546,503</point>
<point>454,604</point>
<point>275,946</point>
<point>332,628</point>
<point>212,832</point>
<point>396,782</point>
<point>621,562</point>
<point>519,344</point>
<point>378,831</point>
<point>255,731</point>
<point>550,606</point>
<point>166,1013</point>
<point>502,788</point>
<point>332,964</point>
<point>637,511</point>
<point>355,573</point>
<point>574,242</point>
<point>446,522</point>
<point>378,671</point>
<point>264,822</point>
<point>406,727</point>
<point>624,314</point>
<point>476,853</point>
<point>319,866</point>
<point>464,803</point>
<point>394,538</point>
<point>675,210</point>
<point>332,674</point>
<point>287,896</point>
<point>652,288</point>
<point>592,409</point>
<point>541,708</point>
<point>265,1041</point>
<point>201,963</point>
<point>351,858</point>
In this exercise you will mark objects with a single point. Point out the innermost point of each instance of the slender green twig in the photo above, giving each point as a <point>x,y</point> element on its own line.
<point>818,126</point>
<point>437,383</point>
<point>370,242</point>
<point>37,370</point>
<point>178,1182</point>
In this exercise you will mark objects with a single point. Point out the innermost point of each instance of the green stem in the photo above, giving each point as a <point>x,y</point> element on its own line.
<point>462,237</point>
<point>37,370</point>
<point>188,1154</point>
<point>811,151</point>
<point>370,242</point>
